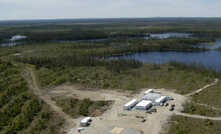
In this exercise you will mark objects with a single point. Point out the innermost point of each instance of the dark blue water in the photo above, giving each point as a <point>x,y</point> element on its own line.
<point>210,59</point>
<point>213,46</point>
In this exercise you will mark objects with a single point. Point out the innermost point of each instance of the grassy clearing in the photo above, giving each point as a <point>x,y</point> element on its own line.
<point>184,125</point>
<point>193,108</point>
<point>86,107</point>
<point>210,96</point>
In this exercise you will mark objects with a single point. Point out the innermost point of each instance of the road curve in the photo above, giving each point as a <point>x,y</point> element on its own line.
<point>201,89</point>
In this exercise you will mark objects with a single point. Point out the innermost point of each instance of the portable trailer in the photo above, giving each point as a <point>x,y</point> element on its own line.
<point>148,91</point>
<point>130,104</point>
<point>144,105</point>
<point>161,100</point>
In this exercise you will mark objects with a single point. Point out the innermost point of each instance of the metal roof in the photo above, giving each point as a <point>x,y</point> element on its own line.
<point>144,103</point>
<point>148,91</point>
<point>162,98</point>
<point>132,102</point>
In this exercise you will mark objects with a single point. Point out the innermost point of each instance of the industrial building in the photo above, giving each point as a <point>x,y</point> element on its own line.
<point>144,105</point>
<point>130,104</point>
<point>118,130</point>
<point>151,97</point>
<point>160,100</point>
<point>148,91</point>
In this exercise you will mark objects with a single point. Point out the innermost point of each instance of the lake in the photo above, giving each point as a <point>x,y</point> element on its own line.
<point>210,59</point>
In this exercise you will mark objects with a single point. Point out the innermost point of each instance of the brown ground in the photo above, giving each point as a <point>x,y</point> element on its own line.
<point>115,116</point>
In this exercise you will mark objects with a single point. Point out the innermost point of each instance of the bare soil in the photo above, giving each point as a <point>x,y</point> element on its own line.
<point>115,116</point>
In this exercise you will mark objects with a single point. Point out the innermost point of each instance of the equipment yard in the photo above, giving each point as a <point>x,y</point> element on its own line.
<point>117,116</point>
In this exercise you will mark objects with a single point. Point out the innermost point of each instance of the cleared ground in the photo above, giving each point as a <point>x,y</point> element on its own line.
<point>116,116</point>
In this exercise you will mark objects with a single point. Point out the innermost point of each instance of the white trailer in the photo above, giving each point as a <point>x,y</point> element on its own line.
<point>148,91</point>
<point>160,100</point>
<point>85,122</point>
<point>144,105</point>
<point>130,104</point>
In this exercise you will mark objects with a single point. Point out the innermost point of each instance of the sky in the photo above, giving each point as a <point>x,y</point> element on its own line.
<point>55,9</point>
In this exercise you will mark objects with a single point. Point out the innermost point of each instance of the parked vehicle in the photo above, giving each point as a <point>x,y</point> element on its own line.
<point>144,120</point>
<point>171,108</point>
<point>153,110</point>
<point>86,121</point>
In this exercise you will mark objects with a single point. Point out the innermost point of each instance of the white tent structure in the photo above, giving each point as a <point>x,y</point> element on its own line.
<point>151,97</point>
<point>130,104</point>
<point>160,100</point>
<point>148,91</point>
<point>144,105</point>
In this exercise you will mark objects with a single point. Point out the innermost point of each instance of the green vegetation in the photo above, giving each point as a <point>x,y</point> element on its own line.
<point>149,75</point>
<point>183,125</point>
<point>86,107</point>
<point>193,108</point>
<point>57,59</point>
<point>20,110</point>
<point>210,96</point>
<point>84,63</point>
<point>41,31</point>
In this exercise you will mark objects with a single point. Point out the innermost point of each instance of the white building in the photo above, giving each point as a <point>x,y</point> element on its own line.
<point>85,122</point>
<point>144,105</point>
<point>18,37</point>
<point>151,97</point>
<point>160,100</point>
<point>130,104</point>
<point>148,91</point>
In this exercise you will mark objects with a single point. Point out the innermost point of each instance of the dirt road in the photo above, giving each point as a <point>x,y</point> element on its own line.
<point>201,89</point>
<point>31,78</point>
<point>198,116</point>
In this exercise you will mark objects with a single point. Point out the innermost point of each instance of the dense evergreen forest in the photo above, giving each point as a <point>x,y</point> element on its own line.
<point>41,31</point>
<point>20,110</point>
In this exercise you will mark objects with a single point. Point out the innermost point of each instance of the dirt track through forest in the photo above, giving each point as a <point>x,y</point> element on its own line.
<point>203,88</point>
<point>31,78</point>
